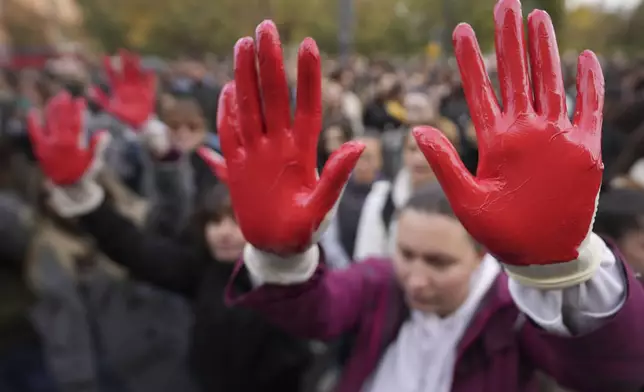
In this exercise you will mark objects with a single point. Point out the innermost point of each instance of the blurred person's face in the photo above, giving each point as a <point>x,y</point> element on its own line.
<point>166,101</point>
<point>434,261</point>
<point>347,79</point>
<point>196,70</point>
<point>632,247</point>
<point>419,109</point>
<point>70,71</point>
<point>333,138</point>
<point>414,161</point>
<point>225,240</point>
<point>187,128</point>
<point>370,162</point>
<point>333,95</point>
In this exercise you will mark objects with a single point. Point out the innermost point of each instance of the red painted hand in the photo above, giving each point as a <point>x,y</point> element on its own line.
<point>133,91</point>
<point>270,161</point>
<point>60,144</point>
<point>534,196</point>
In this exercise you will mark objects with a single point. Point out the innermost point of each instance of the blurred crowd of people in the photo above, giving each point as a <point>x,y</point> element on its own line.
<point>130,298</point>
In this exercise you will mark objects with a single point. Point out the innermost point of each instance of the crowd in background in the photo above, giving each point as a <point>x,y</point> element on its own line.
<point>102,303</point>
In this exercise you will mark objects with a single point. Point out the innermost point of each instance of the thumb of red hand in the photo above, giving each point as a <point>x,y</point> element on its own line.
<point>99,142</point>
<point>99,97</point>
<point>97,146</point>
<point>216,163</point>
<point>335,174</point>
<point>455,179</point>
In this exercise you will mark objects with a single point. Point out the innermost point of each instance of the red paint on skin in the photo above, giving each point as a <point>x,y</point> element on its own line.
<point>533,197</point>
<point>270,158</point>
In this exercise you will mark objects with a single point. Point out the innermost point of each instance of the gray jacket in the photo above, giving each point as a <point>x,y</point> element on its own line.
<point>105,333</point>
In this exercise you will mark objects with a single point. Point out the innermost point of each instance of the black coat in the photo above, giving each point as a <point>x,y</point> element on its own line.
<point>233,350</point>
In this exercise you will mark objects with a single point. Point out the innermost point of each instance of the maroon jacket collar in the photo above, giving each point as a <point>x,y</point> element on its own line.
<point>497,298</point>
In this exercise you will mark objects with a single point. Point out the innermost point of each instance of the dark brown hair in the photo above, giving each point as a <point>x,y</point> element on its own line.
<point>620,211</point>
<point>430,199</point>
<point>182,107</point>
<point>214,205</point>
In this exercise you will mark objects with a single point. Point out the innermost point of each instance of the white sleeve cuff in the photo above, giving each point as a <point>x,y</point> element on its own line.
<point>154,135</point>
<point>562,275</point>
<point>76,200</point>
<point>266,267</point>
<point>578,309</point>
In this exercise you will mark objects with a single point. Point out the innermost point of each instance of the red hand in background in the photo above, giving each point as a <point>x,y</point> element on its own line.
<point>133,90</point>
<point>534,195</point>
<point>59,143</point>
<point>270,161</point>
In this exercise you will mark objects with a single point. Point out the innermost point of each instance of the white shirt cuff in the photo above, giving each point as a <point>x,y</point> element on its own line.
<point>578,309</point>
<point>76,200</point>
<point>266,267</point>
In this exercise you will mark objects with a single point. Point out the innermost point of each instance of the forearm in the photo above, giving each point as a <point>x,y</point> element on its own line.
<point>156,260</point>
<point>301,296</point>
<point>592,328</point>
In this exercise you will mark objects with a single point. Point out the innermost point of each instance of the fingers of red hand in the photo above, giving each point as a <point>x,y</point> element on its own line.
<point>272,79</point>
<point>547,78</point>
<point>335,174</point>
<point>228,123</point>
<point>308,113</point>
<point>56,117</point>
<point>130,66</point>
<point>216,163</point>
<point>251,124</point>
<point>111,73</point>
<point>457,182</point>
<point>590,98</point>
<point>76,121</point>
<point>479,93</point>
<point>511,57</point>
<point>99,96</point>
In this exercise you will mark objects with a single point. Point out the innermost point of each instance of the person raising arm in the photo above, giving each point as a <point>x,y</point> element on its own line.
<point>443,316</point>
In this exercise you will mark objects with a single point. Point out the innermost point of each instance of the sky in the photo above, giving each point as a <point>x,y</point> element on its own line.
<point>609,4</point>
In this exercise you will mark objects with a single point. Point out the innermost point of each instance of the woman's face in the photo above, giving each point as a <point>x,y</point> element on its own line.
<point>414,161</point>
<point>370,162</point>
<point>333,95</point>
<point>434,261</point>
<point>225,240</point>
<point>187,130</point>
<point>419,109</point>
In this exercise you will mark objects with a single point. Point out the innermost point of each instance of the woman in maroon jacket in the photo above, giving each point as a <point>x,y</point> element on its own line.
<point>443,315</point>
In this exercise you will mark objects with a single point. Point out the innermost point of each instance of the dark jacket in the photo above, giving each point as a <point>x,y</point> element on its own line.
<point>232,349</point>
<point>15,297</point>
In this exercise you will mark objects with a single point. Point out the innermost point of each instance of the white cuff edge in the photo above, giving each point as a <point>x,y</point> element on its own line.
<point>266,267</point>
<point>563,275</point>
<point>80,200</point>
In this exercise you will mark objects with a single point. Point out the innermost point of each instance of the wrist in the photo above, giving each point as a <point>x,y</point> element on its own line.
<point>271,268</point>
<point>562,275</point>
<point>76,200</point>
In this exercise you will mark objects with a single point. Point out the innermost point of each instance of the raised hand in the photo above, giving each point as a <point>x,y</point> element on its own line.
<point>534,195</point>
<point>133,91</point>
<point>64,152</point>
<point>270,160</point>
